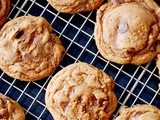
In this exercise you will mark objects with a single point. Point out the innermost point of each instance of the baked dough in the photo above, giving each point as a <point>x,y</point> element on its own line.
<point>81,92</point>
<point>128,31</point>
<point>75,6</point>
<point>139,112</point>
<point>28,49</point>
<point>10,109</point>
<point>4,10</point>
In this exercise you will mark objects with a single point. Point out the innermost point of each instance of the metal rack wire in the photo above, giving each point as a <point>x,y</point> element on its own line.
<point>134,84</point>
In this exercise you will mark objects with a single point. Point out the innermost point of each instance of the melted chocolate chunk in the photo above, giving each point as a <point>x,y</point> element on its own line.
<point>19,34</point>
<point>1,116</point>
<point>123,27</point>
<point>103,103</point>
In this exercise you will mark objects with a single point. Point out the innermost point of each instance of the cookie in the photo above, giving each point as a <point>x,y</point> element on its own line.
<point>75,6</point>
<point>28,48</point>
<point>139,112</point>
<point>4,10</point>
<point>127,31</point>
<point>81,92</point>
<point>10,110</point>
<point>158,66</point>
<point>158,62</point>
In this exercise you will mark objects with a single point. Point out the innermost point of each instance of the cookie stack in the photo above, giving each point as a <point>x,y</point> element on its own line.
<point>126,32</point>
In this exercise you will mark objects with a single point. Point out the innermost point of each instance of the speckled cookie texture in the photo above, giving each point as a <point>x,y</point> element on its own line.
<point>128,31</point>
<point>81,92</point>
<point>4,10</point>
<point>75,6</point>
<point>139,112</point>
<point>10,110</point>
<point>28,48</point>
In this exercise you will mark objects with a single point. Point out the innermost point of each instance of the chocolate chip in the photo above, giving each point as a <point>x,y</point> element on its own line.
<point>79,99</point>
<point>100,102</point>
<point>19,34</point>
<point>123,27</point>
<point>103,103</point>
<point>25,55</point>
<point>1,116</point>
<point>152,48</point>
<point>73,90</point>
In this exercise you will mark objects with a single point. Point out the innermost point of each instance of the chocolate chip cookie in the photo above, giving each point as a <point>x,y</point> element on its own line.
<point>127,31</point>
<point>75,6</point>
<point>81,92</point>
<point>28,48</point>
<point>10,110</point>
<point>139,112</point>
<point>4,10</point>
<point>158,66</point>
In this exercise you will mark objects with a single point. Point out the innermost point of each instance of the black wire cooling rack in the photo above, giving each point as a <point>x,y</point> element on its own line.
<point>134,84</point>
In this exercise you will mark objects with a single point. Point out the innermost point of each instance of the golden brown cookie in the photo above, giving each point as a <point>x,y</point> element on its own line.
<point>158,66</point>
<point>75,6</point>
<point>81,92</point>
<point>128,31</point>
<point>4,10</point>
<point>10,110</point>
<point>139,112</point>
<point>28,48</point>
<point>158,63</point>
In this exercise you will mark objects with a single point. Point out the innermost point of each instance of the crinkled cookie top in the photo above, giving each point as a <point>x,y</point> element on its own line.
<point>28,48</point>
<point>82,92</point>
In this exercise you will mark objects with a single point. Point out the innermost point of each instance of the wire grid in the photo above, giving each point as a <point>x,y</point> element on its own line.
<point>133,84</point>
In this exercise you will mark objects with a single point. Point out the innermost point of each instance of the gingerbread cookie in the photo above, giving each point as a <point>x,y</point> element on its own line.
<point>127,31</point>
<point>81,92</point>
<point>4,10</point>
<point>75,6</point>
<point>139,112</point>
<point>28,48</point>
<point>10,110</point>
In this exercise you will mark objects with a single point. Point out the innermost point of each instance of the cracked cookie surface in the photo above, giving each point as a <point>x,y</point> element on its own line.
<point>139,112</point>
<point>75,6</point>
<point>81,92</point>
<point>28,48</point>
<point>4,10</point>
<point>10,110</point>
<point>128,31</point>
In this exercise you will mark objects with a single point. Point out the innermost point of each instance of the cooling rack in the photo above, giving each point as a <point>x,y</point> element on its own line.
<point>133,84</point>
